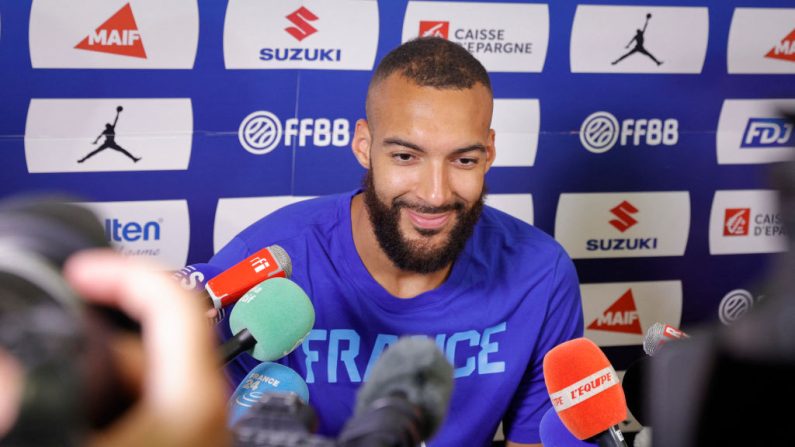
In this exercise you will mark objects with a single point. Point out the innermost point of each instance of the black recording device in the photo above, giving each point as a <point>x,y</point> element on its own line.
<point>70,385</point>
<point>403,403</point>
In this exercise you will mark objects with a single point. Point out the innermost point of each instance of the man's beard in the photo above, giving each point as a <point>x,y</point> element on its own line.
<point>418,255</point>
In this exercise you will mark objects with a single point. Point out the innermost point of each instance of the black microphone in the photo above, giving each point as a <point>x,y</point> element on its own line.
<point>405,399</point>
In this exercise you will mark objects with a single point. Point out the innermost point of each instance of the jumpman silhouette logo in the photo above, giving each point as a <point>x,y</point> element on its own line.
<point>639,48</point>
<point>110,140</point>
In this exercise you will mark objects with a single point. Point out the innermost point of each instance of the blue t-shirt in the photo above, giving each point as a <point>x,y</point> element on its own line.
<point>511,296</point>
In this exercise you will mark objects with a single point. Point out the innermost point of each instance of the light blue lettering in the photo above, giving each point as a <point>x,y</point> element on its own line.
<point>312,356</point>
<point>381,342</point>
<point>488,347</point>
<point>469,366</point>
<point>347,356</point>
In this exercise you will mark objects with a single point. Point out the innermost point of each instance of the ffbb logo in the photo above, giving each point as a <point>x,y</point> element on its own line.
<point>600,132</point>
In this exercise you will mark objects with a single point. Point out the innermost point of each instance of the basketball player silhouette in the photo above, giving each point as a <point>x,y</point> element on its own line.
<point>639,48</point>
<point>110,140</point>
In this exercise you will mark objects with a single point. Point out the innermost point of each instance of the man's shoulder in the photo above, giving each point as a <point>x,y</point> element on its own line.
<point>288,226</point>
<point>500,229</point>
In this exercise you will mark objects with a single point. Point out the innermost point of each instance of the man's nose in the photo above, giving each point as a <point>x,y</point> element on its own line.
<point>434,189</point>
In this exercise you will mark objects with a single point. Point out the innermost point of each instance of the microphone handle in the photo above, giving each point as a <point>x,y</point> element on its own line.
<point>612,437</point>
<point>242,341</point>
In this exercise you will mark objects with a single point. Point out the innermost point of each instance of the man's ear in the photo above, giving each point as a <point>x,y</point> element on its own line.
<point>491,150</point>
<point>362,141</point>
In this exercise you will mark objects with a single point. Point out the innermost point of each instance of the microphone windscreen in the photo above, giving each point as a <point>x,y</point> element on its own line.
<point>554,434</point>
<point>584,388</point>
<point>279,315</point>
<point>264,378</point>
<point>415,368</point>
<point>635,390</point>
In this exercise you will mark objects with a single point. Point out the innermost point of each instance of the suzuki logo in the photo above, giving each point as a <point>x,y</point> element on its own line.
<point>622,211</point>
<point>301,18</point>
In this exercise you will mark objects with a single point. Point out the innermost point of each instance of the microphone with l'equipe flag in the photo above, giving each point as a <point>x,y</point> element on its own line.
<point>585,391</point>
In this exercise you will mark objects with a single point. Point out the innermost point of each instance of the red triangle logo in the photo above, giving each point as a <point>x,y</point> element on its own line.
<point>621,316</point>
<point>118,35</point>
<point>784,50</point>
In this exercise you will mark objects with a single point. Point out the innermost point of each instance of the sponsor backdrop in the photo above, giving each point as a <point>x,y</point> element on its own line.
<point>639,134</point>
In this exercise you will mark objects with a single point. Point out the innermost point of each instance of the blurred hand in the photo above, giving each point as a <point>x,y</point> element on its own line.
<point>182,398</point>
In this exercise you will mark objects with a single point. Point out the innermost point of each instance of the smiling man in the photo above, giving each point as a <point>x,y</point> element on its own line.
<point>417,252</point>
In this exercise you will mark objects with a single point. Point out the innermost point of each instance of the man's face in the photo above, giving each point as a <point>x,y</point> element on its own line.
<point>427,151</point>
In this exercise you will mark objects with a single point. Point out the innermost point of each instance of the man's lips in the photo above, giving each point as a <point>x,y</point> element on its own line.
<point>428,221</point>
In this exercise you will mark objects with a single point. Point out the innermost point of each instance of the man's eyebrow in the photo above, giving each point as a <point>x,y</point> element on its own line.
<point>394,141</point>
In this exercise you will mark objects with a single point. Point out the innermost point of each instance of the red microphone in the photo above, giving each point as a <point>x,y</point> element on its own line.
<point>658,335</point>
<point>585,391</point>
<point>230,285</point>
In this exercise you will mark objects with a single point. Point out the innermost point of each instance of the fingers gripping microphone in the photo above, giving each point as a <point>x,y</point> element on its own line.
<point>269,321</point>
<point>194,278</point>
<point>554,434</point>
<point>658,335</point>
<point>585,391</point>
<point>264,378</point>
<point>405,399</point>
<point>229,286</point>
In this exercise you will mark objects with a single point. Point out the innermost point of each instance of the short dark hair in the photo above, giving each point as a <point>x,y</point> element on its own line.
<point>433,62</point>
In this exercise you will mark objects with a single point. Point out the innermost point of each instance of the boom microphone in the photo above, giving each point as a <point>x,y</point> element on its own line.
<point>269,321</point>
<point>405,399</point>
<point>554,434</point>
<point>263,379</point>
<point>229,286</point>
<point>660,334</point>
<point>585,391</point>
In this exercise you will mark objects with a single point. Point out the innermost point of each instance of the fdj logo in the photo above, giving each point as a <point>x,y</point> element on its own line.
<point>767,132</point>
<point>118,231</point>
<point>262,131</point>
<point>601,131</point>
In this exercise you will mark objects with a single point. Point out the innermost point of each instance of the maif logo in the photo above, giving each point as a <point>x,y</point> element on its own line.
<point>114,34</point>
<point>639,39</point>
<point>600,131</point>
<point>746,221</point>
<point>620,225</point>
<point>752,131</point>
<point>762,41</point>
<point>157,230</point>
<point>301,18</point>
<point>619,314</point>
<point>736,221</point>
<point>434,29</point>
<point>121,134</point>
<point>504,37</point>
<point>623,212</point>
<point>784,50</point>
<point>294,34</point>
<point>261,132</point>
<point>118,35</point>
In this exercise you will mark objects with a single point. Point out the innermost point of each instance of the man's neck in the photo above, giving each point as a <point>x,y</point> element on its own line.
<point>399,283</point>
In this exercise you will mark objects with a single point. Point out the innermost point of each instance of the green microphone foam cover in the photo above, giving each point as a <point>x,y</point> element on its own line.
<point>279,315</point>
